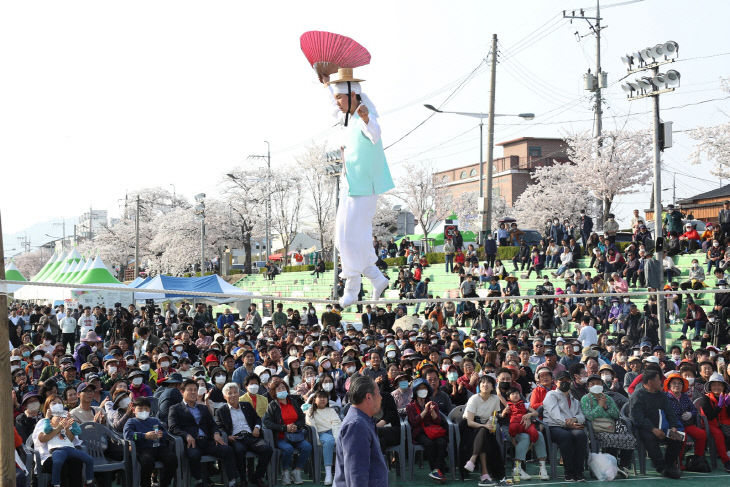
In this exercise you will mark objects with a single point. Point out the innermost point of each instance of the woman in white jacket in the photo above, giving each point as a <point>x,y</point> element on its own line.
<point>563,415</point>
<point>327,423</point>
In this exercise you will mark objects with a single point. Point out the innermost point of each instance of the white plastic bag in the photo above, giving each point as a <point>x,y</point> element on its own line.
<point>603,466</point>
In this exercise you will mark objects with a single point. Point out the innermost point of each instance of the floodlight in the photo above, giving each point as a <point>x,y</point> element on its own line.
<point>657,51</point>
<point>637,57</point>
<point>644,85</point>
<point>633,86</point>
<point>628,60</point>
<point>199,197</point>
<point>627,88</point>
<point>659,81</point>
<point>646,55</point>
<point>672,78</point>
<point>671,49</point>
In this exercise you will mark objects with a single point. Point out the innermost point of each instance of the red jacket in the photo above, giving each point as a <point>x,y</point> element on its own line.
<point>691,235</point>
<point>413,410</point>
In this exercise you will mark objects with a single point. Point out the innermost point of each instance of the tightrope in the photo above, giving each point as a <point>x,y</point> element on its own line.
<point>265,297</point>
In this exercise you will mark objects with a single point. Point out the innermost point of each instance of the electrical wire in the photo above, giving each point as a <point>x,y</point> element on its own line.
<point>451,95</point>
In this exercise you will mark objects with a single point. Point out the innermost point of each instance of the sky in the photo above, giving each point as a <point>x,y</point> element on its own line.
<point>101,98</point>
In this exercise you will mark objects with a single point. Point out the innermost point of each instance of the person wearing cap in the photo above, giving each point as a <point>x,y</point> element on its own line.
<point>429,428</point>
<point>26,421</point>
<point>85,412</point>
<point>689,241</point>
<point>137,387</point>
<point>648,405</point>
<point>119,410</point>
<point>611,433</point>
<point>676,388</point>
<point>564,417</point>
<point>88,347</point>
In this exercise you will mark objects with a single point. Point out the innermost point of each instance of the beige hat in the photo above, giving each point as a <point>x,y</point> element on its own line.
<point>344,75</point>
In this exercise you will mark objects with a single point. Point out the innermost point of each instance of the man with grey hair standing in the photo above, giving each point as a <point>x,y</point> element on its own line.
<point>359,460</point>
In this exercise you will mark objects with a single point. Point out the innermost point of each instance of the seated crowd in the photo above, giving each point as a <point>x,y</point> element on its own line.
<point>222,385</point>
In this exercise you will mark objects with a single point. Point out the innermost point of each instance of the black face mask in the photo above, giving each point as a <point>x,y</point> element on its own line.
<point>504,386</point>
<point>564,386</point>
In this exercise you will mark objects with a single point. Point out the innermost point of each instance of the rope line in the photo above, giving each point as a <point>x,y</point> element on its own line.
<point>266,297</point>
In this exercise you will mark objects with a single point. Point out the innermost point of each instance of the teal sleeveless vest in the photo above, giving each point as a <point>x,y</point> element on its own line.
<point>366,169</point>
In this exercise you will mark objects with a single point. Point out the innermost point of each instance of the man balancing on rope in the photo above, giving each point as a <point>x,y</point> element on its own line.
<point>365,176</point>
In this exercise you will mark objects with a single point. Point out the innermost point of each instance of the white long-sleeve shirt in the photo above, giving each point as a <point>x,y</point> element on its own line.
<point>557,407</point>
<point>371,130</point>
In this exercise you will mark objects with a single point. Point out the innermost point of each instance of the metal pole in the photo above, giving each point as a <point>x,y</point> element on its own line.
<point>136,242</point>
<point>487,216</point>
<point>661,300</point>
<point>268,197</point>
<point>91,224</point>
<point>7,430</point>
<point>599,111</point>
<point>481,158</point>
<point>335,279</point>
<point>202,244</point>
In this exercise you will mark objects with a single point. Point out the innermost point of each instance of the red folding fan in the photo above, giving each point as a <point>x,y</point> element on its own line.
<point>327,52</point>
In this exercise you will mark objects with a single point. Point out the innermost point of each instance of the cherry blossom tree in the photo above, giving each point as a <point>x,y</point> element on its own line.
<point>714,143</point>
<point>554,193</point>
<point>115,243</point>
<point>29,263</point>
<point>429,202</point>
<point>245,194</point>
<point>321,198</point>
<point>286,205</point>
<point>617,163</point>
<point>385,221</point>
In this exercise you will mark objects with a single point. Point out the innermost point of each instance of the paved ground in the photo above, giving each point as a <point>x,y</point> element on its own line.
<point>652,479</point>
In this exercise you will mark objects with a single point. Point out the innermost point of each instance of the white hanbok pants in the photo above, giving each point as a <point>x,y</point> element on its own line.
<point>354,237</point>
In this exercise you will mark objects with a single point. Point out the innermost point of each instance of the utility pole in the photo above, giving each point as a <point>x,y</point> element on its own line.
<point>656,123</point>
<point>594,82</point>
<point>487,208</point>
<point>651,59</point>
<point>91,223</point>
<point>136,242</point>
<point>7,430</point>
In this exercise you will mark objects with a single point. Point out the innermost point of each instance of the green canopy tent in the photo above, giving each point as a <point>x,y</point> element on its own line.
<point>438,238</point>
<point>48,266</point>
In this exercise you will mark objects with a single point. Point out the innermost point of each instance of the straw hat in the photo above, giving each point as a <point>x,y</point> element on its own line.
<point>343,76</point>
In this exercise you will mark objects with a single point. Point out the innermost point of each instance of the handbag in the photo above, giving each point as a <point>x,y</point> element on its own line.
<point>434,431</point>
<point>295,437</point>
<point>604,425</point>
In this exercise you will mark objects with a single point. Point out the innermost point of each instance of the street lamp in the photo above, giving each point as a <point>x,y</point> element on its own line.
<point>484,208</point>
<point>334,170</point>
<point>267,157</point>
<point>200,211</point>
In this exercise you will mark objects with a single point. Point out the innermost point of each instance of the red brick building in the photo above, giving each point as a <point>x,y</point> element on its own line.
<point>511,173</point>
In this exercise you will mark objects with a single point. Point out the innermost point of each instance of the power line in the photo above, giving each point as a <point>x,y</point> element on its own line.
<point>451,95</point>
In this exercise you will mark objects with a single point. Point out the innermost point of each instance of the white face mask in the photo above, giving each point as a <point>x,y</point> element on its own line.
<point>390,354</point>
<point>583,380</point>
<point>202,390</point>
<point>350,370</point>
<point>130,362</point>
<point>124,403</point>
<point>422,393</point>
<point>457,360</point>
<point>596,389</point>
<point>33,407</point>
<point>178,349</point>
<point>607,377</point>
<point>367,363</point>
<point>310,379</point>
<point>142,415</point>
<point>328,386</point>
<point>46,342</point>
<point>265,378</point>
<point>164,365</point>
<point>112,370</point>
<point>56,408</point>
<point>220,379</point>
<point>144,367</point>
<point>253,388</point>
<point>13,368</point>
<point>293,353</point>
<point>93,349</point>
<point>137,381</point>
<point>691,380</point>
